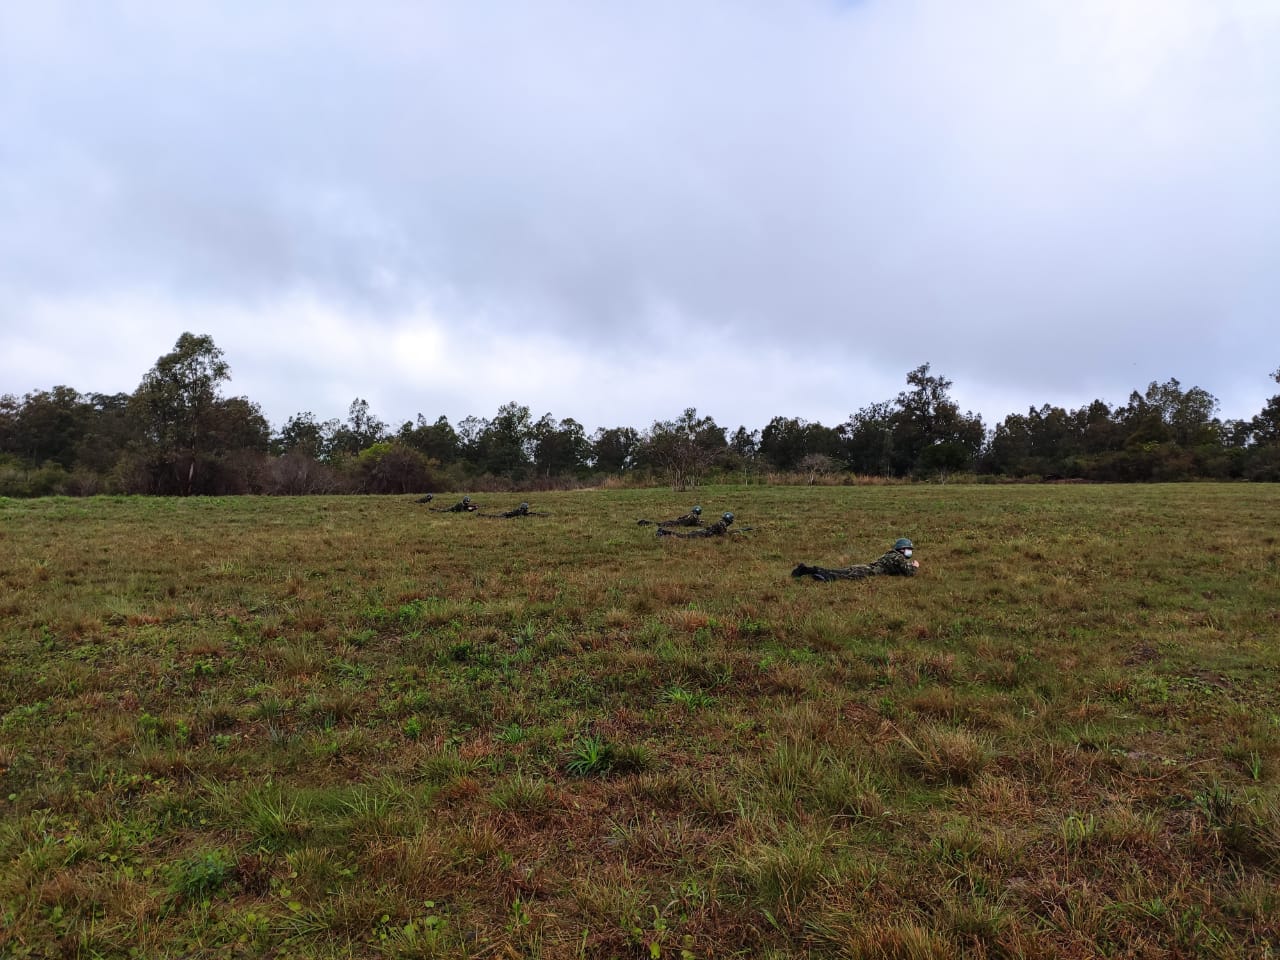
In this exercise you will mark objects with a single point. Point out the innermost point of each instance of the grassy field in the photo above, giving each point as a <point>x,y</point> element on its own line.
<point>330,727</point>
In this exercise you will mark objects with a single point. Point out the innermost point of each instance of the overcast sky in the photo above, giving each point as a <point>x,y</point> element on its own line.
<point>614,211</point>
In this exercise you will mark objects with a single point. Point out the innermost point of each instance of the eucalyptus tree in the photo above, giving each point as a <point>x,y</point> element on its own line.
<point>175,406</point>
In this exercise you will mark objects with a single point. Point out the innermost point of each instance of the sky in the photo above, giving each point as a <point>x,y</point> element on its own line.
<point>613,212</point>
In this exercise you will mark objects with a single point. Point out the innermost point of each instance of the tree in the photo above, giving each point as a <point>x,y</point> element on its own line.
<point>49,426</point>
<point>559,448</point>
<point>683,449</point>
<point>237,423</point>
<point>786,442</point>
<point>10,411</point>
<point>783,442</point>
<point>1262,457</point>
<point>1168,414</point>
<point>1010,448</point>
<point>1097,428</point>
<point>745,444</point>
<point>869,440</point>
<point>175,402</point>
<point>112,431</point>
<point>815,465</point>
<point>304,434</point>
<point>470,430</point>
<point>927,417</point>
<point>361,431</point>
<point>438,441</point>
<point>1265,427</point>
<point>504,446</point>
<point>613,450</point>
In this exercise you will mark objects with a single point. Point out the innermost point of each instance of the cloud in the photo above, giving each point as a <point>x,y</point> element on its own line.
<point>1049,202</point>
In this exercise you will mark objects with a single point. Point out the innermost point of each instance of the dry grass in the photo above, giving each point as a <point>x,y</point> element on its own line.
<point>352,727</point>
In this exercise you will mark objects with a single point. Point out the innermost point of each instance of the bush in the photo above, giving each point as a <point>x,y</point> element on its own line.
<point>1263,463</point>
<point>19,480</point>
<point>393,468</point>
<point>295,473</point>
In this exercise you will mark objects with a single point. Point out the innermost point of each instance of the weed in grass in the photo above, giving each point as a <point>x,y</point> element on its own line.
<point>1078,831</point>
<point>1247,826</point>
<point>269,708</point>
<point>589,755</point>
<point>201,876</point>
<point>689,699</point>
<point>275,821</point>
<point>512,734</point>
<point>296,659</point>
<point>280,737</point>
<point>1253,765</point>
<point>427,934</point>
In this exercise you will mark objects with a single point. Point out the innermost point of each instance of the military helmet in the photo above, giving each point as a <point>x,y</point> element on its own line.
<point>902,543</point>
<point>466,499</point>
<point>697,511</point>
<point>727,517</point>
<point>524,506</point>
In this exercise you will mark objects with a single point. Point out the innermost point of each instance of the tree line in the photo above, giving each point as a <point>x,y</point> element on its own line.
<point>178,434</point>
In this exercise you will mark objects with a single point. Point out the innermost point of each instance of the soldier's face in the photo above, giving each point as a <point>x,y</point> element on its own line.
<point>906,551</point>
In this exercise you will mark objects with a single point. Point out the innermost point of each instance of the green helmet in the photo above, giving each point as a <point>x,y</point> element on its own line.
<point>466,499</point>
<point>727,517</point>
<point>697,511</point>
<point>902,543</point>
<point>524,506</point>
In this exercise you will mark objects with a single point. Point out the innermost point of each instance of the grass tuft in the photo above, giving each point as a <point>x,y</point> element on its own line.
<point>943,755</point>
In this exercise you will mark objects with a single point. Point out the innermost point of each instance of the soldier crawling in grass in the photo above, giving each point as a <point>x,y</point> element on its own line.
<point>462,506</point>
<point>691,519</point>
<point>897,562</point>
<point>717,529</point>
<point>520,511</point>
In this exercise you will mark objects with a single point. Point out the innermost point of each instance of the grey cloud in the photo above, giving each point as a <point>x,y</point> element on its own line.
<point>1048,201</point>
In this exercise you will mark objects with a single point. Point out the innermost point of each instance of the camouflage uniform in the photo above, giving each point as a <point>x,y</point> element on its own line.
<point>717,529</point>
<point>688,520</point>
<point>520,511</point>
<point>462,506</point>
<point>691,519</point>
<point>892,563</point>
